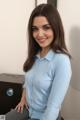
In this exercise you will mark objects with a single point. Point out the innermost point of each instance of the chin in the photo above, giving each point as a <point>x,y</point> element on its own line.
<point>43,46</point>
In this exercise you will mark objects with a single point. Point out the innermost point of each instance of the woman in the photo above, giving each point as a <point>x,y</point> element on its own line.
<point>47,68</point>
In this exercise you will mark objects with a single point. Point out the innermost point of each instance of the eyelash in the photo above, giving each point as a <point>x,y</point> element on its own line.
<point>44,28</point>
<point>34,29</point>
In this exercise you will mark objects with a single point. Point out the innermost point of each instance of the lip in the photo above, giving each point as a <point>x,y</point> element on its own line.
<point>41,40</point>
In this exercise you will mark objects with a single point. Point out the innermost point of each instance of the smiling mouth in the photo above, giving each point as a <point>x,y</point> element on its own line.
<point>42,40</point>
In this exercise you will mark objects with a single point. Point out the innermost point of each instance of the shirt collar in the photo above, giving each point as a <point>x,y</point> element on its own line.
<point>49,55</point>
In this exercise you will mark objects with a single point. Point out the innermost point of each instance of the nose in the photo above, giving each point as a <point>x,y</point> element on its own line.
<point>40,33</point>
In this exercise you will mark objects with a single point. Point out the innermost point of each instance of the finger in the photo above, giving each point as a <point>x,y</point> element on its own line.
<point>21,110</point>
<point>16,107</point>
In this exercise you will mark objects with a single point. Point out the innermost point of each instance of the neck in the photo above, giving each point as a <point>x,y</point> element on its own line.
<point>44,51</point>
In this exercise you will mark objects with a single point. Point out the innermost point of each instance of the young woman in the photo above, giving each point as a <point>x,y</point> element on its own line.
<point>47,68</point>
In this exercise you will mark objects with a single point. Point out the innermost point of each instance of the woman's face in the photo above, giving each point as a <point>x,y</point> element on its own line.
<point>42,32</point>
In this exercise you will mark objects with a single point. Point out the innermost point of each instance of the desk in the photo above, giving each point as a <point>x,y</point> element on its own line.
<point>10,91</point>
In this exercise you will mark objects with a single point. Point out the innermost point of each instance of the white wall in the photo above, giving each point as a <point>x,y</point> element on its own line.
<point>41,1</point>
<point>14,15</point>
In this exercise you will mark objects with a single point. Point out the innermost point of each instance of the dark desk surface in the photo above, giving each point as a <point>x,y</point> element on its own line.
<point>11,84</point>
<point>13,78</point>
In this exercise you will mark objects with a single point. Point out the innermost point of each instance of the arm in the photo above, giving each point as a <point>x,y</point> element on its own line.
<point>23,98</point>
<point>59,88</point>
<point>22,102</point>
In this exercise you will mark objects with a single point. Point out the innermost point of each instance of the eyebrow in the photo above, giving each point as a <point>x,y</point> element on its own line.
<point>41,26</point>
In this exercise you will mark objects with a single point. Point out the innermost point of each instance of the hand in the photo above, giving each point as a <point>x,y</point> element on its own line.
<point>21,105</point>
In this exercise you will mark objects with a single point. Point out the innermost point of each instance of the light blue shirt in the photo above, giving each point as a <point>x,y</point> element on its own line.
<point>46,85</point>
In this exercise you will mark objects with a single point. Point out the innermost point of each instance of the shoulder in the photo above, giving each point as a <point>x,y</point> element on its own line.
<point>61,65</point>
<point>61,59</point>
<point>62,62</point>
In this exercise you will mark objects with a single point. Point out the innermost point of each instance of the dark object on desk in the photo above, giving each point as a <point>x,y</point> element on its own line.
<point>62,118</point>
<point>10,91</point>
<point>54,2</point>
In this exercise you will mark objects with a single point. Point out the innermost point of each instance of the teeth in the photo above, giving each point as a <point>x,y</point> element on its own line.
<point>41,39</point>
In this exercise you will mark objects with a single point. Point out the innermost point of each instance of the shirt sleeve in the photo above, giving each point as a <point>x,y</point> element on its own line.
<point>59,88</point>
<point>24,84</point>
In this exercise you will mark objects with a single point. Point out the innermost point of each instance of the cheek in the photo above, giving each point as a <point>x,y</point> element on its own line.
<point>34,35</point>
<point>50,35</point>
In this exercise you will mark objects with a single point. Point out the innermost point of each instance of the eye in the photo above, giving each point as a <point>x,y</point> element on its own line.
<point>46,27</point>
<point>34,29</point>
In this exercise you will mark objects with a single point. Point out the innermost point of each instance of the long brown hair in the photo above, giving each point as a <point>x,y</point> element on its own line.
<point>58,45</point>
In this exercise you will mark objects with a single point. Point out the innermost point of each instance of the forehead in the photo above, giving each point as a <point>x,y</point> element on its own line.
<point>40,20</point>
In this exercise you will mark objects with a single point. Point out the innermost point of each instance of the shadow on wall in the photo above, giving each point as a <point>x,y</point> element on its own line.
<point>71,105</point>
<point>74,38</point>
